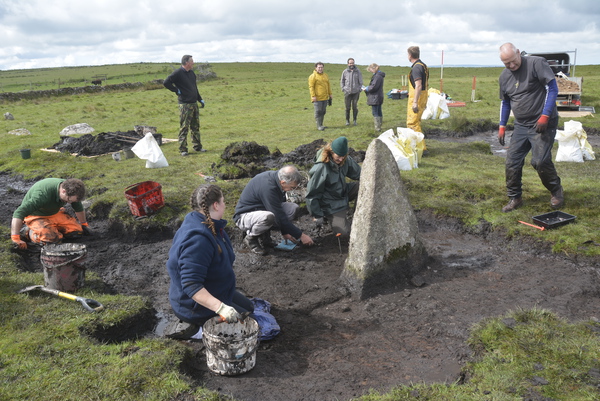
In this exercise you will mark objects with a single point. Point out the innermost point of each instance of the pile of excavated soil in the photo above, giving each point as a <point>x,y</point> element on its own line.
<point>566,85</point>
<point>94,145</point>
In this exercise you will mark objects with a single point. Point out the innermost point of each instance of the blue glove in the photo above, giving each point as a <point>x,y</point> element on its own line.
<point>202,104</point>
<point>178,92</point>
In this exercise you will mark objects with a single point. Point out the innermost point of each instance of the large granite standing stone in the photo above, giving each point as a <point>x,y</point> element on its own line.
<point>385,247</point>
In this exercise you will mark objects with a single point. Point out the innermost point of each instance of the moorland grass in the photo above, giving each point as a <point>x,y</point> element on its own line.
<point>269,103</point>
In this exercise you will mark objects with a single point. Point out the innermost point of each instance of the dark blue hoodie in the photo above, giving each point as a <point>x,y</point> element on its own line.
<point>195,263</point>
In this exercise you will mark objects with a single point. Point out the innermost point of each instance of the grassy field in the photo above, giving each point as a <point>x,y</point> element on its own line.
<point>268,103</point>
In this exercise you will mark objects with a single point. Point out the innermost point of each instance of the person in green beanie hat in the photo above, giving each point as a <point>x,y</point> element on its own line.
<point>328,194</point>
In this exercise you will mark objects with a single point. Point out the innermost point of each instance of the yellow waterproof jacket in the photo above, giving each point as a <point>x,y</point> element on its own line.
<point>319,87</point>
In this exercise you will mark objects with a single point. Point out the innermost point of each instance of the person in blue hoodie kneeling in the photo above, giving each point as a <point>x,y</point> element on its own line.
<point>200,265</point>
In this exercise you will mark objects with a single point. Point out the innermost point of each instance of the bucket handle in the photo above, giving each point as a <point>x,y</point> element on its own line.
<point>133,185</point>
<point>64,263</point>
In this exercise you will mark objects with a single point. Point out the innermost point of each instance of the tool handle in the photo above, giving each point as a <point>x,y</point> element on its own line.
<point>66,295</point>
<point>90,304</point>
<point>532,225</point>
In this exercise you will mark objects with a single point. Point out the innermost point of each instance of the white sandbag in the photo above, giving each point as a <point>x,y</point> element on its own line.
<point>437,106</point>
<point>147,149</point>
<point>403,146</point>
<point>572,144</point>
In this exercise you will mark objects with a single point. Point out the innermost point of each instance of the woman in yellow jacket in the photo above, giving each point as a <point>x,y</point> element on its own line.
<point>320,93</point>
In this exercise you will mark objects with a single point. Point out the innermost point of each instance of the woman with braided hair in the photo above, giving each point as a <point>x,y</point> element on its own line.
<point>200,265</point>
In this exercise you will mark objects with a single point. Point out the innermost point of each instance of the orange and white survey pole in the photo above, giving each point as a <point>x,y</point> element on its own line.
<point>473,90</point>
<point>442,75</point>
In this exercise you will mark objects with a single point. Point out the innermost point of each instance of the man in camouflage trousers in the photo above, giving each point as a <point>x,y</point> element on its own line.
<point>183,82</point>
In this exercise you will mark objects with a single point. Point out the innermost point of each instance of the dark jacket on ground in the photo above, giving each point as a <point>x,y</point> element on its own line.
<point>375,89</point>
<point>195,263</point>
<point>264,192</point>
<point>327,191</point>
<point>185,82</point>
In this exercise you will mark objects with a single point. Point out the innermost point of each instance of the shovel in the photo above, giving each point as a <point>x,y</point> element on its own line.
<point>88,304</point>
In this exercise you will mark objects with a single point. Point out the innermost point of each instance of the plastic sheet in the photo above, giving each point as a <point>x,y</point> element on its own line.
<point>269,328</point>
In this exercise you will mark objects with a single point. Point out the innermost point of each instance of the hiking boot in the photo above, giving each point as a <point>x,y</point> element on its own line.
<point>254,245</point>
<point>184,153</point>
<point>557,199</point>
<point>513,204</point>
<point>183,331</point>
<point>266,240</point>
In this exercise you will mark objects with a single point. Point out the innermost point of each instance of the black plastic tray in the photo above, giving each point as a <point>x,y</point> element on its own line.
<point>554,219</point>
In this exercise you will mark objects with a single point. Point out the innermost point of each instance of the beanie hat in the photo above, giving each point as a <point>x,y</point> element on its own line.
<point>340,146</point>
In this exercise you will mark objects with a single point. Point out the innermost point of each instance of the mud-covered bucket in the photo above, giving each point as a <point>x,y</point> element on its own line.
<point>64,268</point>
<point>230,347</point>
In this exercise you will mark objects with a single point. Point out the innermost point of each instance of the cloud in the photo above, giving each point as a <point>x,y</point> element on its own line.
<point>39,33</point>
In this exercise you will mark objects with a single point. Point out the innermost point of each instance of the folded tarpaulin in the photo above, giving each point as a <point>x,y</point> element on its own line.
<point>266,322</point>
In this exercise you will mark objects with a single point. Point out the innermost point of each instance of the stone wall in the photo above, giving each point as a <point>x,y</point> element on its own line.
<point>13,96</point>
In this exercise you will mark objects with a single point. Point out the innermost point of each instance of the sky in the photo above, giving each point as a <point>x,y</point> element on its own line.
<point>58,33</point>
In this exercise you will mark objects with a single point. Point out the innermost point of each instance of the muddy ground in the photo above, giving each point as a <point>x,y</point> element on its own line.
<point>333,347</point>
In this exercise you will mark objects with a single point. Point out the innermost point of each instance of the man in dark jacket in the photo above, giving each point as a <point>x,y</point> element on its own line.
<point>262,206</point>
<point>351,83</point>
<point>183,82</point>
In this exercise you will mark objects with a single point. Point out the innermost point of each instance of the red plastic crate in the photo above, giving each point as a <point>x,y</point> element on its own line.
<point>144,198</point>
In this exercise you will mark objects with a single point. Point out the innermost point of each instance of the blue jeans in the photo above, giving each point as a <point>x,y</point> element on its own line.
<point>376,110</point>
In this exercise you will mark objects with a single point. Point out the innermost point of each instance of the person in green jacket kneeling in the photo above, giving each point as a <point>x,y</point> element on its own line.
<point>328,194</point>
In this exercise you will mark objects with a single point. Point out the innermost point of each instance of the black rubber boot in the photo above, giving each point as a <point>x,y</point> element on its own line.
<point>254,245</point>
<point>266,240</point>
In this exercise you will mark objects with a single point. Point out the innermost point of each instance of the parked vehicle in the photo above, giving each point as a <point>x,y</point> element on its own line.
<point>569,86</point>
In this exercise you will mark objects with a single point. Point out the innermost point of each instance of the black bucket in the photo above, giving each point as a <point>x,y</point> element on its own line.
<point>64,269</point>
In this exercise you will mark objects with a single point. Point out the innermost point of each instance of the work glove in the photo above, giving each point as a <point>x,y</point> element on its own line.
<point>501,131</point>
<point>330,101</point>
<point>201,104</point>
<point>18,242</point>
<point>86,229</point>
<point>319,222</point>
<point>229,314</point>
<point>542,124</point>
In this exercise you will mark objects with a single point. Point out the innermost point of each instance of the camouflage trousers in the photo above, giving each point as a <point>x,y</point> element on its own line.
<point>189,121</point>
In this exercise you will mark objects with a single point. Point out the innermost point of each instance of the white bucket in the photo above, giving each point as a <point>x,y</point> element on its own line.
<point>230,347</point>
